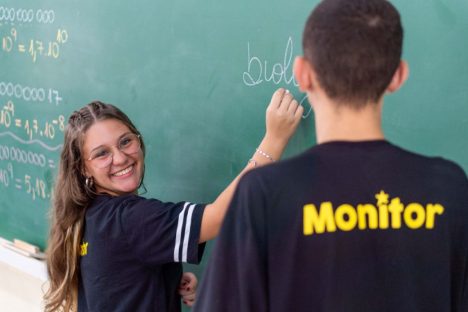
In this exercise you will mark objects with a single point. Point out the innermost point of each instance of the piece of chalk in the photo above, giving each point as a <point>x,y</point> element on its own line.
<point>25,246</point>
<point>37,255</point>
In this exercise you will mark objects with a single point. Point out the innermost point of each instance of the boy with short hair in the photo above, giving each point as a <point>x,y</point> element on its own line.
<point>354,223</point>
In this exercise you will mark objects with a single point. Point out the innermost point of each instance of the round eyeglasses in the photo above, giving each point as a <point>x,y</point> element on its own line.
<point>102,156</point>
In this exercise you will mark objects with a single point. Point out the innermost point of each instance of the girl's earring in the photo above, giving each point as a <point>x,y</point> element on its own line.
<point>89,182</point>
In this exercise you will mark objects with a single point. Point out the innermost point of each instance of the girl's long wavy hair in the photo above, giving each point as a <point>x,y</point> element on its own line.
<point>71,198</point>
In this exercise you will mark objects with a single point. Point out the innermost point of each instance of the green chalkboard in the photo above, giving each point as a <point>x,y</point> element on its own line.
<point>195,77</point>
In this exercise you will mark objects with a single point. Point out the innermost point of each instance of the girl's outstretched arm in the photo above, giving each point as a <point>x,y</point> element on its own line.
<point>282,118</point>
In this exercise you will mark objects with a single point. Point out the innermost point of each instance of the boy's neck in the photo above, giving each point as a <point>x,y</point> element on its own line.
<point>342,123</point>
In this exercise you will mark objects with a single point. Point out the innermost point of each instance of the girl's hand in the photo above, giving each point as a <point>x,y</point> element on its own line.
<point>282,117</point>
<point>188,288</point>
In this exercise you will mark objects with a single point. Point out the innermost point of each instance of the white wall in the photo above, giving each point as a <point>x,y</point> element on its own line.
<point>21,282</point>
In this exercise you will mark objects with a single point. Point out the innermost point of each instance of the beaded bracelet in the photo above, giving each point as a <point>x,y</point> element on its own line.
<point>264,154</point>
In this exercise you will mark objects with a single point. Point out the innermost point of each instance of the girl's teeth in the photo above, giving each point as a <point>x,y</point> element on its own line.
<point>125,171</point>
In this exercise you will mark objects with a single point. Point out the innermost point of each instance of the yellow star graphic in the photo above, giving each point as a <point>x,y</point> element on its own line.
<point>382,198</point>
<point>84,249</point>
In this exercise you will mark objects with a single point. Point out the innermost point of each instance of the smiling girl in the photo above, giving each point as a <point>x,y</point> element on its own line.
<point>112,250</point>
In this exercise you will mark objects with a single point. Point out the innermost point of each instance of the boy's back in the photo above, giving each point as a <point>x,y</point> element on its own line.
<point>355,223</point>
<point>346,226</point>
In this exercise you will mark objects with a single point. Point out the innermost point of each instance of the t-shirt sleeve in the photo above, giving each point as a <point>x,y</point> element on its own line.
<point>160,233</point>
<point>464,305</point>
<point>235,278</point>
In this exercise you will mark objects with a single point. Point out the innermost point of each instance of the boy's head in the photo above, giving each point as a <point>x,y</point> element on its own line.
<point>354,48</point>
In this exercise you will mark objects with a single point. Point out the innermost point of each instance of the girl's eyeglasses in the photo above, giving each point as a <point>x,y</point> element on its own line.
<point>102,157</point>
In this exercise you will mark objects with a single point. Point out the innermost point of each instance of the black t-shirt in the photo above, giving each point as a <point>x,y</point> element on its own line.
<point>132,250</point>
<point>346,226</point>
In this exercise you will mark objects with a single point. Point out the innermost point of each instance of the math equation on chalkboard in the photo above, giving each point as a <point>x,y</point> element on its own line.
<point>31,127</point>
<point>32,123</point>
<point>35,187</point>
<point>30,157</point>
<point>16,37</point>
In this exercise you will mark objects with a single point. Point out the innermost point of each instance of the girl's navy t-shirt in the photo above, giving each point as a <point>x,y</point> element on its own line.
<point>132,250</point>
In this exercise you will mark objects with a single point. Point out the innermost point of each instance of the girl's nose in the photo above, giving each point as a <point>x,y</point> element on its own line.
<point>118,157</point>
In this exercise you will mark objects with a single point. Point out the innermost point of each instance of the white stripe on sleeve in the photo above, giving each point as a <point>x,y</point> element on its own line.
<point>179,233</point>
<point>187,233</point>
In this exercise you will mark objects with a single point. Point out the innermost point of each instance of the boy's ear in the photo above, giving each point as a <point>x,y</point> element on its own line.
<point>303,74</point>
<point>399,77</point>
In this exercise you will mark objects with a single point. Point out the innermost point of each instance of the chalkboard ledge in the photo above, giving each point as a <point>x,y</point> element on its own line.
<point>28,265</point>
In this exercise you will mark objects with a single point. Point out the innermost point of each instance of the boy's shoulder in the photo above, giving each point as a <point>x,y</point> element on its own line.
<point>349,156</point>
<point>436,165</point>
